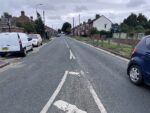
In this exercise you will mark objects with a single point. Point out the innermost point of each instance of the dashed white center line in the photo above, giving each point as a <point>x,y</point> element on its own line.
<point>72,55</point>
<point>51,100</point>
<point>66,44</point>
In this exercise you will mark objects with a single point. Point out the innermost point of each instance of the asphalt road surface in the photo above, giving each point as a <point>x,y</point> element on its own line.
<point>67,76</point>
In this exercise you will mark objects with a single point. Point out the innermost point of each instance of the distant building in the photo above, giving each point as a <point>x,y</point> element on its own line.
<point>100,22</point>
<point>50,32</point>
<point>21,19</point>
<point>6,25</point>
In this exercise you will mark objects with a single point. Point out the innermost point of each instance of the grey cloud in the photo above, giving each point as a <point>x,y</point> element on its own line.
<point>135,3</point>
<point>54,17</point>
<point>80,8</point>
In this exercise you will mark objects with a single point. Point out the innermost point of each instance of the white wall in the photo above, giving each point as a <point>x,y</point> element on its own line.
<point>101,22</point>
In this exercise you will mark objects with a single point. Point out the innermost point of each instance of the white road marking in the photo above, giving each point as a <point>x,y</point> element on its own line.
<point>72,55</point>
<point>74,73</point>
<point>66,44</point>
<point>67,108</point>
<point>51,100</point>
<point>95,96</point>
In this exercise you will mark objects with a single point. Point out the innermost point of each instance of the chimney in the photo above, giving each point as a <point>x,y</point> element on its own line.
<point>22,13</point>
<point>31,18</point>
<point>89,20</point>
<point>97,16</point>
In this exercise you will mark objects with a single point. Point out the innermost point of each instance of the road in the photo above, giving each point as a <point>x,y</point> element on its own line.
<point>67,76</point>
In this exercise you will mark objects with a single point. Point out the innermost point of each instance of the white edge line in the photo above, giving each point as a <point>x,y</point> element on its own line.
<point>52,98</point>
<point>107,52</point>
<point>95,96</point>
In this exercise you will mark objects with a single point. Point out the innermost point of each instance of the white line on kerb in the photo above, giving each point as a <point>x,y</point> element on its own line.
<point>95,96</point>
<point>72,55</point>
<point>51,100</point>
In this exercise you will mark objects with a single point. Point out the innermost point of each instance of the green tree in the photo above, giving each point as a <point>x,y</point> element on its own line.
<point>7,15</point>
<point>131,20</point>
<point>29,27</point>
<point>94,31</point>
<point>142,20</point>
<point>59,30</point>
<point>123,28</point>
<point>66,28</point>
<point>139,29</point>
<point>39,25</point>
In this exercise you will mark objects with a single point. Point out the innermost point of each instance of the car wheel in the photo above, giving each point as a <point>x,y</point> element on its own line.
<point>135,75</point>
<point>3,55</point>
<point>24,53</point>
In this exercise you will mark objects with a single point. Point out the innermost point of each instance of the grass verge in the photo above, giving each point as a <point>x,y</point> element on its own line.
<point>119,49</point>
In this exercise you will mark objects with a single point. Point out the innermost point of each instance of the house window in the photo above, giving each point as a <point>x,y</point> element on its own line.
<point>105,26</point>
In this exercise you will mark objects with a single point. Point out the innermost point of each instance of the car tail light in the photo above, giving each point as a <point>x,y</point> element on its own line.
<point>134,50</point>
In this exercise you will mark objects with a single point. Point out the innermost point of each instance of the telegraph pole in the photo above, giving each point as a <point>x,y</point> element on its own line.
<point>79,26</point>
<point>73,26</point>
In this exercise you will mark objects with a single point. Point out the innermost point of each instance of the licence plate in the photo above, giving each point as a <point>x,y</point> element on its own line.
<point>4,48</point>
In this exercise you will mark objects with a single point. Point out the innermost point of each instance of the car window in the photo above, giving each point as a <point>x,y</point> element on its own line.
<point>148,42</point>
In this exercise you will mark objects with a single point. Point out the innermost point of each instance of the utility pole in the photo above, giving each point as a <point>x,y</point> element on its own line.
<point>73,26</point>
<point>79,26</point>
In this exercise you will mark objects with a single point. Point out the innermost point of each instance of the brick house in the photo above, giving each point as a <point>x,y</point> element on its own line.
<point>7,26</point>
<point>99,22</point>
<point>21,19</point>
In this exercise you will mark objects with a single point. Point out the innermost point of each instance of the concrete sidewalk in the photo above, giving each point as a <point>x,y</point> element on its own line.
<point>3,63</point>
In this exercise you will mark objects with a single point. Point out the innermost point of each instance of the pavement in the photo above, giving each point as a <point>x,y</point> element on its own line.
<point>3,63</point>
<point>67,76</point>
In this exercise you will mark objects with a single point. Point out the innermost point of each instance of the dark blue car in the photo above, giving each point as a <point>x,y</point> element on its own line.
<point>139,65</point>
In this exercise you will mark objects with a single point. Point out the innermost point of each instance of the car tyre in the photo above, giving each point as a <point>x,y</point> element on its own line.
<point>24,53</point>
<point>135,75</point>
<point>3,55</point>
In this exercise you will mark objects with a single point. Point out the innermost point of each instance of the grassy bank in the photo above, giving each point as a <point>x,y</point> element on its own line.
<point>109,45</point>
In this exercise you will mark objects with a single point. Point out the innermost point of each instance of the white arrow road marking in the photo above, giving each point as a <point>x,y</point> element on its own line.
<point>68,108</point>
<point>95,96</point>
<point>72,55</point>
<point>51,100</point>
<point>74,73</point>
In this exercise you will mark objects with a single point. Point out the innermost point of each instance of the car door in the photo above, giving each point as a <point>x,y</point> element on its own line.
<point>147,56</point>
<point>25,42</point>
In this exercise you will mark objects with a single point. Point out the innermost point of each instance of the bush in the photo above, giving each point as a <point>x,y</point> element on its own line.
<point>108,34</point>
<point>147,32</point>
<point>94,31</point>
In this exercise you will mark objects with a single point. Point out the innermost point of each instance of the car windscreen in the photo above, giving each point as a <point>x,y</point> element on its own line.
<point>33,36</point>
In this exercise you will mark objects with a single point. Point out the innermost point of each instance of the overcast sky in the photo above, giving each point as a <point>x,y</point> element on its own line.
<point>59,11</point>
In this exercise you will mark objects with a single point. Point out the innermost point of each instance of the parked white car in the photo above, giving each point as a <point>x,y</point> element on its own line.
<point>36,39</point>
<point>15,43</point>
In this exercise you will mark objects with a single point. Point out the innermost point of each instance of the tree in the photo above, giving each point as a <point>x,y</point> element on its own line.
<point>123,28</point>
<point>29,27</point>
<point>59,30</point>
<point>66,28</point>
<point>131,20</point>
<point>94,31</point>
<point>7,15</point>
<point>39,25</point>
<point>142,20</point>
<point>139,29</point>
